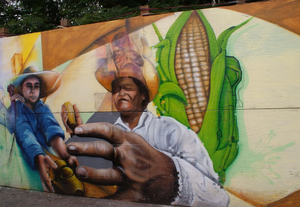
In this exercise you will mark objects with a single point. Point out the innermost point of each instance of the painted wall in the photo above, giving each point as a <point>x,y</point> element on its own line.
<point>230,77</point>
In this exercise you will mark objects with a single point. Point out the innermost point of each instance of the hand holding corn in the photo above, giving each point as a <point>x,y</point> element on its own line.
<point>70,117</point>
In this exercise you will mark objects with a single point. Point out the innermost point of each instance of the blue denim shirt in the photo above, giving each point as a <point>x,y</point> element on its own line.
<point>35,129</point>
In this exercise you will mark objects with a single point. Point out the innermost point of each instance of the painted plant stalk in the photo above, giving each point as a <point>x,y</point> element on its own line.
<point>198,84</point>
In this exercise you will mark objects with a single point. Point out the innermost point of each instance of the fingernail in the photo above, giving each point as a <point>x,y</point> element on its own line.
<point>78,130</point>
<point>81,172</point>
<point>71,147</point>
<point>71,162</point>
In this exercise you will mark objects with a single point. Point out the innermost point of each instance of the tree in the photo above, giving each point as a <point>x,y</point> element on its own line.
<point>26,16</point>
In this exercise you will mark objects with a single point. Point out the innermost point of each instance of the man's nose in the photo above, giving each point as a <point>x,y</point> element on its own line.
<point>122,92</point>
<point>33,90</point>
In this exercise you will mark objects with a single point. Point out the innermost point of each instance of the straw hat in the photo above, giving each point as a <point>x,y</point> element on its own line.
<point>105,78</point>
<point>127,63</point>
<point>50,80</point>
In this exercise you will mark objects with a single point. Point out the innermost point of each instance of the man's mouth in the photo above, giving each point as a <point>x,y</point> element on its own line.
<point>123,99</point>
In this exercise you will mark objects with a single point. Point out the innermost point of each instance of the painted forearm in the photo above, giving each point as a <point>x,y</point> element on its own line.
<point>59,146</point>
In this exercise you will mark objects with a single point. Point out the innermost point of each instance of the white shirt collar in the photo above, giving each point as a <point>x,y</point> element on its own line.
<point>141,123</point>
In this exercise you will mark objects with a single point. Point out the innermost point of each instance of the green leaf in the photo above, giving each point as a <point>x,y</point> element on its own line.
<point>173,34</point>
<point>223,35</point>
<point>226,115</point>
<point>224,38</point>
<point>177,110</point>
<point>160,38</point>
<point>172,89</point>
<point>233,72</point>
<point>210,127</point>
<point>163,56</point>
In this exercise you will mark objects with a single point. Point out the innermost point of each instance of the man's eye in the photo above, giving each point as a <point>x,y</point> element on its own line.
<point>115,90</point>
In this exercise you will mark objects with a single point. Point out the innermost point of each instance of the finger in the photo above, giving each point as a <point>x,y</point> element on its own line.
<point>103,130</point>
<point>50,162</point>
<point>111,176</point>
<point>63,110</point>
<point>73,161</point>
<point>77,115</point>
<point>63,113</point>
<point>68,129</point>
<point>48,186</point>
<point>64,117</point>
<point>46,181</point>
<point>94,149</point>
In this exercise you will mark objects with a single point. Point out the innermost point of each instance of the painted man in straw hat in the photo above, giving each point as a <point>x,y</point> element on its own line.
<point>36,129</point>
<point>155,159</point>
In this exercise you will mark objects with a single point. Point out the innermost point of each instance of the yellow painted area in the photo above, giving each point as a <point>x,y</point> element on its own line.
<point>29,50</point>
<point>34,58</point>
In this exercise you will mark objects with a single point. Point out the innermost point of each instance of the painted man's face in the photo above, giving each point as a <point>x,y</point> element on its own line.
<point>127,96</point>
<point>31,90</point>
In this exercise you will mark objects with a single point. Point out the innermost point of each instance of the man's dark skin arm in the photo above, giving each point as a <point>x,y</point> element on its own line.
<point>147,175</point>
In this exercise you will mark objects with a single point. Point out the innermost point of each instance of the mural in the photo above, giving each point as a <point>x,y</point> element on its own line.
<point>166,109</point>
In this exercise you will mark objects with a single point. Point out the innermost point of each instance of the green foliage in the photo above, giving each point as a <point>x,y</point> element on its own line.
<point>219,131</point>
<point>26,16</point>
<point>170,100</point>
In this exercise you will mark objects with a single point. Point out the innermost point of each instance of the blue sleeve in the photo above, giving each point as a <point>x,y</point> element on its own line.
<point>49,125</point>
<point>27,141</point>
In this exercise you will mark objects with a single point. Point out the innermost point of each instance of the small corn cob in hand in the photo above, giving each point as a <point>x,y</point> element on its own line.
<point>70,117</point>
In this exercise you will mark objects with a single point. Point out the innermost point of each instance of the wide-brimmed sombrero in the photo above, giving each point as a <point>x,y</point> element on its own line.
<point>129,64</point>
<point>50,80</point>
<point>150,78</point>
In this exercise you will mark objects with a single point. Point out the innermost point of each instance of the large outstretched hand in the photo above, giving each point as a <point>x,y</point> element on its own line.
<point>143,173</point>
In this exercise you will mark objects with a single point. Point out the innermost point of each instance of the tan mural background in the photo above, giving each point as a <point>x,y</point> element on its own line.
<point>266,169</point>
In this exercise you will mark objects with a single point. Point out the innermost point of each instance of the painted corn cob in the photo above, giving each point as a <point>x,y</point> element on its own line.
<point>198,84</point>
<point>192,68</point>
<point>71,115</point>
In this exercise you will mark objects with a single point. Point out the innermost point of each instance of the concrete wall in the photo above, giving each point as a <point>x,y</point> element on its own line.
<point>240,96</point>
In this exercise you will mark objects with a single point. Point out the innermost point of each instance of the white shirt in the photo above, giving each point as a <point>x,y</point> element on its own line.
<point>198,182</point>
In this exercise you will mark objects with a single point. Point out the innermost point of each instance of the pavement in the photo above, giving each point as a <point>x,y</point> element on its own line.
<point>23,198</point>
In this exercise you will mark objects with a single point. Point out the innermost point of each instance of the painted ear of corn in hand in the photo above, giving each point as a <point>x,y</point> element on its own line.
<point>71,115</point>
<point>198,84</point>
